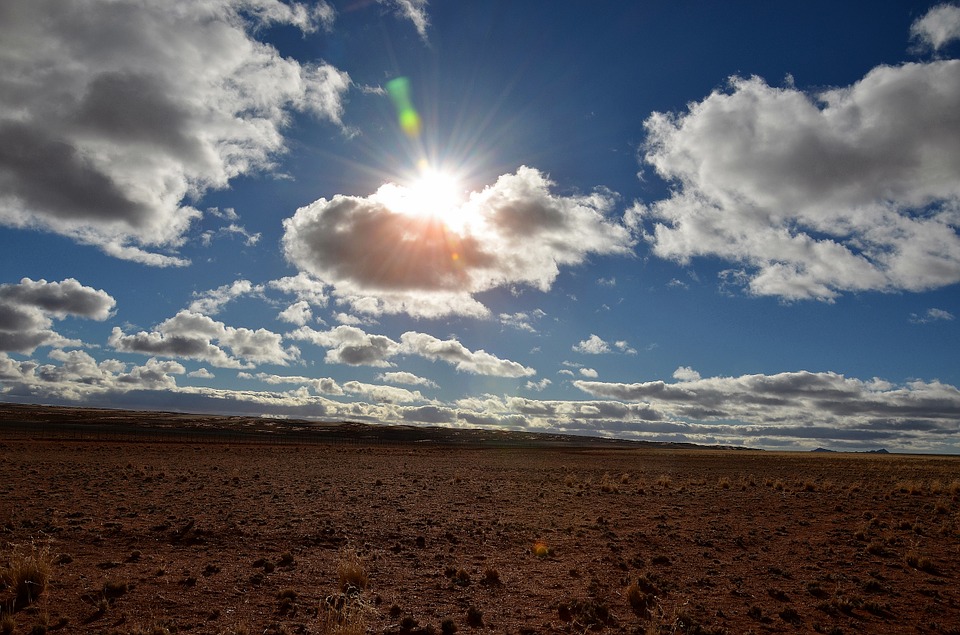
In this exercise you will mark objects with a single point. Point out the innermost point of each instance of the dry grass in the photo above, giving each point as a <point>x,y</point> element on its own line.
<point>27,572</point>
<point>351,571</point>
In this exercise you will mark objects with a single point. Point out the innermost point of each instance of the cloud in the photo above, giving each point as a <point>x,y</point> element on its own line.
<point>322,385</point>
<point>413,10</point>
<point>304,287</point>
<point>453,352</point>
<point>201,373</point>
<point>403,377</point>
<point>624,347</point>
<point>191,335</point>
<point>27,310</point>
<point>938,27</point>
<point>685,373</point>
<point>538,386</point>
<point>593,345</point>
<point>813,195</point>
<point>116,112</point>
<point>298,313</point>
<point>350,345</point>
<point>379,259</point>
<point>589,372</point>
<point>931,315</point>
<point>799,404</point>
<point>521,320</point>
<point>210,302</point>
<point>78,376</point>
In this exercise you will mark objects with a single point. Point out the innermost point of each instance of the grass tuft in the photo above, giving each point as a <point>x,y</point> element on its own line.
<point>27,572</point>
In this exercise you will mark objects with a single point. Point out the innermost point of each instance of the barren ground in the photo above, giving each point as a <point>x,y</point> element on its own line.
<point>216,538</point>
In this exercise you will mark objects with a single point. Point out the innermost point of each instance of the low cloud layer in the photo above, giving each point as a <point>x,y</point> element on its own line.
<point>190,335</point>
<point>515,232</point>
<point>114,112</point>
<point>27,311</point>
<point>351,345</point>
<point>814,195</point>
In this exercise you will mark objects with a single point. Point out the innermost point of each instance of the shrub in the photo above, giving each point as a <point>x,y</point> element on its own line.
<point>27,572</point>
<point>351,572</point>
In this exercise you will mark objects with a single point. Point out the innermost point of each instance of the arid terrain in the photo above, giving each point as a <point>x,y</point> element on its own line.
<point>202,536</point>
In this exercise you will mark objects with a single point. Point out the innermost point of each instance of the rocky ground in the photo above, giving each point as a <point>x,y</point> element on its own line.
<point>256,538</point>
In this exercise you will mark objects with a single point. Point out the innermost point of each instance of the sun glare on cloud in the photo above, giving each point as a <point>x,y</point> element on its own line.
<point>432,194</point>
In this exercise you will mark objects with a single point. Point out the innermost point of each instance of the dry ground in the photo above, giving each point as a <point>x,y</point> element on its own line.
<point>210,538</point>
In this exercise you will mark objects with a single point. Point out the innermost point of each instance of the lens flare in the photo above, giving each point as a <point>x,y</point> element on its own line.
<point>399,91</point>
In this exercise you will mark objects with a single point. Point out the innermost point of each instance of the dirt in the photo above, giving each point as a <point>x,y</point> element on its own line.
<point>252,538</point>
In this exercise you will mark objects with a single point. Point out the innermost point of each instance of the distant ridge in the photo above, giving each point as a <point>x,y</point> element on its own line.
<point>877,451</point>
<point>60,422</point>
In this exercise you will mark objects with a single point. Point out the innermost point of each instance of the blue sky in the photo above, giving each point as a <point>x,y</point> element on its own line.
<point>725,224</point>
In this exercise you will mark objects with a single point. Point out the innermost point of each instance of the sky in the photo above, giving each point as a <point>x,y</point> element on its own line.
<point>718,223</point>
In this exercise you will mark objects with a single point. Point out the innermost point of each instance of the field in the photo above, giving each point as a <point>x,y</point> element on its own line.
<point>148,537</point>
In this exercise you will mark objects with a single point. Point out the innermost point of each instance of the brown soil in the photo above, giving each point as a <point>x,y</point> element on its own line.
<point>218,538</point>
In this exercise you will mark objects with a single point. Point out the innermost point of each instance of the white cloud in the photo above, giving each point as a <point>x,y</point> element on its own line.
<point>589,372</point>
<point>624,347</point>
<point>191,335</point>
<point>321,385</point>
<point>201,373</point>
<point>115,112</point>
<point>350,345</point>
<point>939,26</point>
<point>403,377</point>
<point>453,352</point>
<point>538,386</point>
<point>379,259</point>
<point>413,10</point>
<point>304,287</point>
<point>593,345</point>
<point>78,376</point>
<point>851,189</point>
<point>566,371</point>
<point>384,394</point>
<point>801,405</point>
<point>210,302</point>
<point>298,313</point>
<point>27,310</point>
<point>685,373</point>
<point>931,315</point>
<point>521,320</point>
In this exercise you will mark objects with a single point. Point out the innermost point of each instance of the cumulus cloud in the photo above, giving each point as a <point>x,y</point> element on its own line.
<point>589,372</point>
<point>538,386</point>
<point>116,112</point>
<point>939,26</point>
<point>298,313</point>
<point>403,377</point>
<point>27,310</point>
<point>210,302</point>
<point>685,373</point>
<point>191,335</point>
<point>322,385</point>
<point>801,405</point>
<point>379,258</point>
<point>201,373</point>
<point>593,345</point>
<point>624,347</point>
<point>352,345</point>
<point>931,315</point>
<point>78,376</point>
<point>813,195</point>
<point>521,320</point>
<point>453,352</point>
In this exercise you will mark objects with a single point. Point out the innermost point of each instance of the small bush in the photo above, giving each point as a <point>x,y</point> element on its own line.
<point>351,572</point>
<point>27,572</point>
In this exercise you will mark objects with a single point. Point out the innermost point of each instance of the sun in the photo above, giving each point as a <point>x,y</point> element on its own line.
<point>431,194</point>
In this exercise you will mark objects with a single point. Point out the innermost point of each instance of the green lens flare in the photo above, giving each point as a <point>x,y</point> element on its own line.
<point>409,118</point>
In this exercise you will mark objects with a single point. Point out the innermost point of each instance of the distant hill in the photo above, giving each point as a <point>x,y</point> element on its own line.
<point>103,424</point>
<point>877,451</point>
